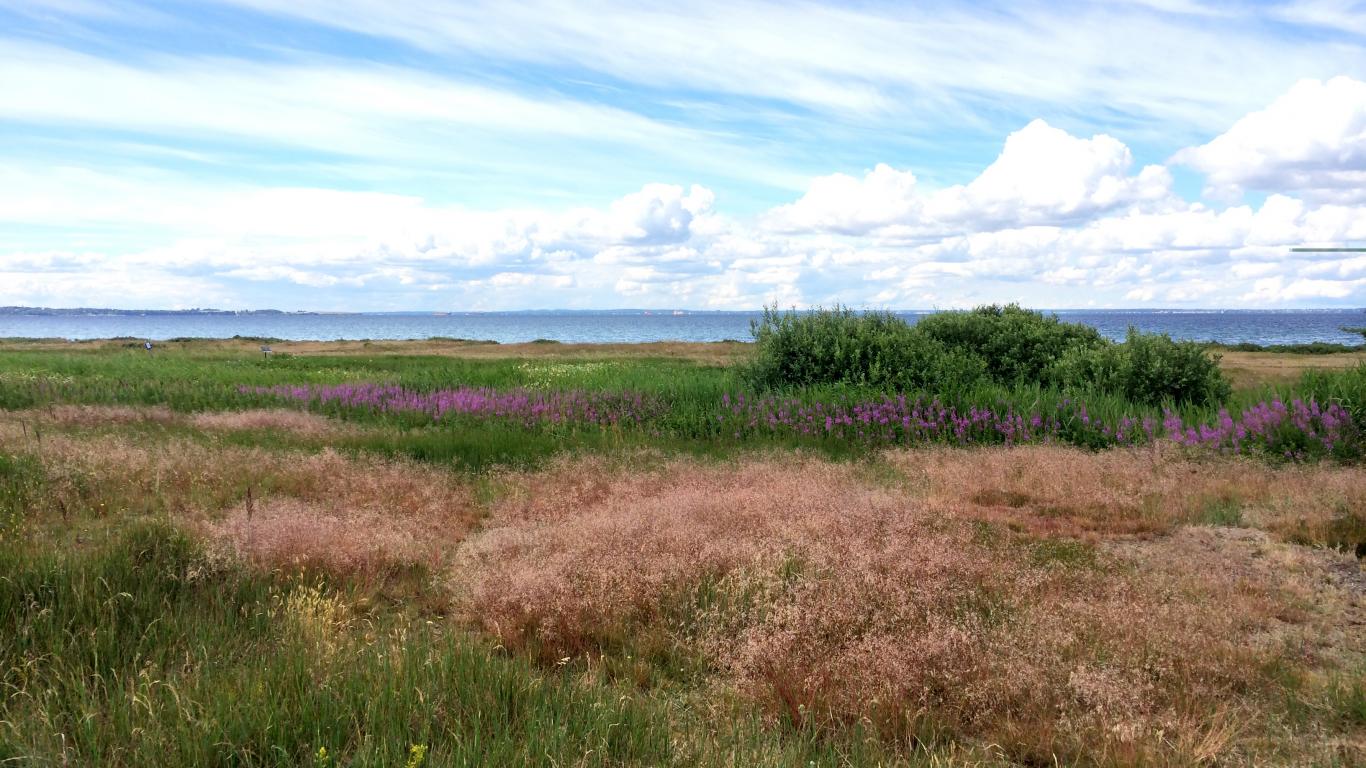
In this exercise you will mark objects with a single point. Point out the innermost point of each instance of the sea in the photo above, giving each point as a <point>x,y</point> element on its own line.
<point>633,326</point>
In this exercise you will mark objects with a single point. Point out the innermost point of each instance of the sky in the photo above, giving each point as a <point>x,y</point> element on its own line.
<point>373,155</point>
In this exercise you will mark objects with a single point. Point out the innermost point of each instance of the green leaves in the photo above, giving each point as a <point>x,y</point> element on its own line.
<point>953,352</point>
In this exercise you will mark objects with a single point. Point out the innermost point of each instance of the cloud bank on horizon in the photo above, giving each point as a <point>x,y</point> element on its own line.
<point>471,155</point>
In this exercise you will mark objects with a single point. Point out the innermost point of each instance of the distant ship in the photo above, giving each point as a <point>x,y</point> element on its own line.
<point>679,313</point>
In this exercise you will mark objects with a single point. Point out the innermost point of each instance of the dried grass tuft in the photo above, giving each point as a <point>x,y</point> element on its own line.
<point>1054,490</point>
<point>327,509</point>
<point>302,423</point>
<point>101,415</point>
<point>906,607</point>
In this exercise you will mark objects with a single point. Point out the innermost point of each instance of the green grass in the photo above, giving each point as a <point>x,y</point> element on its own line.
<point>146,650</point>
<point>149,652</point>
<point>1222,513</point>
<point>192,377</point>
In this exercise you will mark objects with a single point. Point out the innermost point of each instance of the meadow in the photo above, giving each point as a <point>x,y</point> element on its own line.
<point>454,553</point>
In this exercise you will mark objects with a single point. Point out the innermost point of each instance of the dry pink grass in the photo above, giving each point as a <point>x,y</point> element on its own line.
<point>830,599</point>
<point>97,415</point>
<point>301,423</point>
<point>349,513</point>
<point>1055,490</point>
<point>352,514</point>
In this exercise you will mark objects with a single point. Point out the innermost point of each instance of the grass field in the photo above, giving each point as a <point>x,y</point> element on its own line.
<point>193,572</point>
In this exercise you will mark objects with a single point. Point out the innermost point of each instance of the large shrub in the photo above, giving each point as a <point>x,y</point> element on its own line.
<point>862,349</point>
<point>1147,368</point>
<point>1017,345</point>
<point>950,352</point>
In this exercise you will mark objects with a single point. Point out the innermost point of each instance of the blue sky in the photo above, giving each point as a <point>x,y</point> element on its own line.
<point>366,155</point>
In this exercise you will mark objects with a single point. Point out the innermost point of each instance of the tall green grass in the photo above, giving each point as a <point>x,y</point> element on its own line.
<point>146,650</point>
<point>194,378</point>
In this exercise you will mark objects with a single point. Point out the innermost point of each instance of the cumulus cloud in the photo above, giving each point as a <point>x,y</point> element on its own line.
<point>844,204</point>
<point>665,246</point>
<point>1043,176</point>
<point>1311,141</point>
<point>657,214</point>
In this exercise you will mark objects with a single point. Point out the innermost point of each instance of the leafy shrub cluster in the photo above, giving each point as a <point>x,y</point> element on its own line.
<point>870,349</point>
<point>951,352</point>
<point>1146,368</point>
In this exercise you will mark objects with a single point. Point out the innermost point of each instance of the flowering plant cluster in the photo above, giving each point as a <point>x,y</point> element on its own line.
<point>1295,430</point>
<point>529,407</point>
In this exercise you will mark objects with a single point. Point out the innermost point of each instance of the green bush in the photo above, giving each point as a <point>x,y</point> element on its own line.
<point>954,352</point>
<point>1017,345</point>
<point>841,346</point>
<point>1147,368</point>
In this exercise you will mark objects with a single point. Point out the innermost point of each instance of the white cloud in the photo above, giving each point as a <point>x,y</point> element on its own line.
<point>1055,221</point>
<point>1164,61</point>
<point>1043,176</point>
<point>1310,141</point>
<point>1279,290</point>
<point>844,204</point>
<point>400,117</point>
<point>665,246</point>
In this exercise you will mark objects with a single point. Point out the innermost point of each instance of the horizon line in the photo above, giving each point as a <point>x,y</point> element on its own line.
<point>653,310</point>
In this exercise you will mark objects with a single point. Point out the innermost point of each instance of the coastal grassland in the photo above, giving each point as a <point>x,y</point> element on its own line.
<point>182,600</point>
<point>1250,370</point>
<point>196,574</point>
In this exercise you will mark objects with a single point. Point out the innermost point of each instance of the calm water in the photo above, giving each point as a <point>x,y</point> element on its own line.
<point>1232,326</point>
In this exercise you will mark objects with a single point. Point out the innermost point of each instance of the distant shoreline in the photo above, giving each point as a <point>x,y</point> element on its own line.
<point>22,311</point>
<point>1231,327</point>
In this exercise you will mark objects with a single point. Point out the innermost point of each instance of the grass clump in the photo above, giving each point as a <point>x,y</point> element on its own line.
<point>150,651</point>
<point>1222,512</point>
